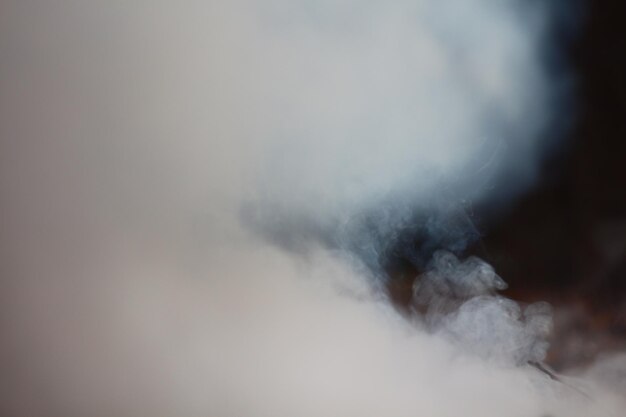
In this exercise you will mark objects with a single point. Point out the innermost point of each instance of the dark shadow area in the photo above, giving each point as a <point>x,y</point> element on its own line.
<point>565,241</point>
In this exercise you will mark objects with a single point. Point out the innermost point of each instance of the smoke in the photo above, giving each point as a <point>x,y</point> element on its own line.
<point>461,303</point>
<point>201,201</point>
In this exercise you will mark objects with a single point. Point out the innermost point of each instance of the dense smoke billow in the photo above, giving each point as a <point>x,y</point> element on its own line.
<point>200,200</point>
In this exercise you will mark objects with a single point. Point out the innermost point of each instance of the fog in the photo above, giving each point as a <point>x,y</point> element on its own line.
<point>199,200</point>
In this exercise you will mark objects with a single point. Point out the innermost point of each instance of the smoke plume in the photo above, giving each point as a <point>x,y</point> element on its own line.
<point>202,200</point>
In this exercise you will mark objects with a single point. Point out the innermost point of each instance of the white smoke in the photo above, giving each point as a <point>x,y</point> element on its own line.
<point>158,157</point>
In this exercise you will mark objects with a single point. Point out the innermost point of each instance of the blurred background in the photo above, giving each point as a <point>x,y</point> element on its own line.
<point>565,241</point>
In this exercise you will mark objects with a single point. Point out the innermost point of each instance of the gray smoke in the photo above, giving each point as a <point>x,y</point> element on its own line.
<point>459,300</point>
<point>200,200</point>
<point>393,119</point>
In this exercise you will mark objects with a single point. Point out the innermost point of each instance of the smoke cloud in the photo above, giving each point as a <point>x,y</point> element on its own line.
<point>200,201</point>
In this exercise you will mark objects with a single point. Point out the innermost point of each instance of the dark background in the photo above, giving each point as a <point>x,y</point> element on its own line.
<point>569,233</point>
<point>565,241</point>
